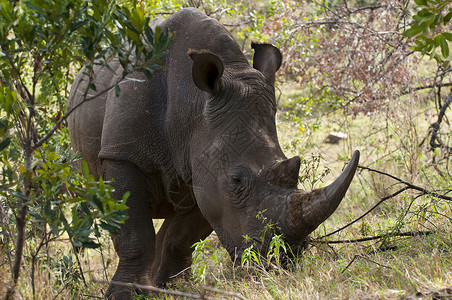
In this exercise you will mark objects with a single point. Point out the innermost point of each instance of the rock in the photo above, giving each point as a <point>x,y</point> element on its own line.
<point>334,137</point>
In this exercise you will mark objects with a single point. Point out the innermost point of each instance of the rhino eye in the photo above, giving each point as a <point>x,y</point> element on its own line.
<point>236,179</point>
<point>239,181</point>
<point>238,186</point>
<point>239,177</point>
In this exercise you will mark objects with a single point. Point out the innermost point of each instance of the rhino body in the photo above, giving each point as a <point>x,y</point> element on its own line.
<point>197,146</point>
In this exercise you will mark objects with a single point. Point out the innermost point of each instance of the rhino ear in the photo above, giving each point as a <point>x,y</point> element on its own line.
<point>267,59</point>
<point>207,70</point>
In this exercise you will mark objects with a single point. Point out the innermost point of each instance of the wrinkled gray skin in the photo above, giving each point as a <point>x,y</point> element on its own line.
<point>196,146</point>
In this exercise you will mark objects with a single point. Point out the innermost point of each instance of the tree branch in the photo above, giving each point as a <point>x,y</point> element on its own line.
<point>407,186</point>
<point>366,213</point>
<point>363,257</point>
<point>424,87</point>
<point>370,238</point>
<point>435,141</point>
<point>70,111</point>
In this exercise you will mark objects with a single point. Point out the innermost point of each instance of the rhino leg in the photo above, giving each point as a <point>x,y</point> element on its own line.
<point>174,241</point>
<point>136,241</point>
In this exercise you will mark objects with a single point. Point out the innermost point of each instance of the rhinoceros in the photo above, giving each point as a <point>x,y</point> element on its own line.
<point>197,146</point>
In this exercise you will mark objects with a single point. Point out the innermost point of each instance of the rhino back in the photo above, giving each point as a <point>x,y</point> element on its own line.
<point>151,123</point>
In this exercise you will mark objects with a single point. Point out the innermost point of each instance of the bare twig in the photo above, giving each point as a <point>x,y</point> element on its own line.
<point>175,293</point>
<point>425,87</point>
<point>360,9</point>
<point>21,219</point>
<point>407,186</point>
<point>237,24</point>
<point>363,257</point>
<point>227,293</point>
<point>370,238</point>
<point>435,141</point>
<point>366,213</point>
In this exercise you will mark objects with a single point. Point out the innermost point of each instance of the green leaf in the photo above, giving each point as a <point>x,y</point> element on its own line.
<point>125,197</point>
<point>422,14</point>
<point>149,35</point>
<point>101,185</point>
<point>3,126</point>
<point>91,244</point>
<point>437,40</point>
<point>428,20</point>
<point>93,86</point>
<point>413,31</point>
<point>5,143</point>
<point>85,169</point>
<point>147,73</point>
<point>6,11</point>
<point>444,47</point>
<point>109,228</point>
<point>95,202</point>
<point>421,2</point>
<point>117,90</point>
<point>447,18</point>
<point>38,217</point>
<point>447,36</point>
<point>7,99</point>
<point>85,208</point>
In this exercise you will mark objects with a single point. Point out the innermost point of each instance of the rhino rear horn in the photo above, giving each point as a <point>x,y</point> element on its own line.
<point>207,70</point>
<point>267,59</point>
<point>285,173</point>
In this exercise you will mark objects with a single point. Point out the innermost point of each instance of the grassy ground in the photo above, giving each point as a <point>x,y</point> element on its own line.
<point>392,268</point>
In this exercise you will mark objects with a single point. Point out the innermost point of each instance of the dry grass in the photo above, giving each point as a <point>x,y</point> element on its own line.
<point>397,269</point>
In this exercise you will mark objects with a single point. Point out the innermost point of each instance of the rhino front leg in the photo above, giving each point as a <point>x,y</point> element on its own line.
<point>136,241</point>
<point>174,241</point>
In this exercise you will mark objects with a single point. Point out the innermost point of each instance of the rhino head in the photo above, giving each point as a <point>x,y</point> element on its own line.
<point>242,180</point>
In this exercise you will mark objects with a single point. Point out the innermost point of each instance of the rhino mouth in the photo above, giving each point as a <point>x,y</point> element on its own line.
<point>235,251</point>
<point>260,247</point>
<point>253,249</point>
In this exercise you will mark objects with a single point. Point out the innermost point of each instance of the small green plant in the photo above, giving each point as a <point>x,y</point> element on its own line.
<point>204,256</point>
<point>249,257</point>
<point>276,247</point>
<point>67,272</point>
<point>311,173</point>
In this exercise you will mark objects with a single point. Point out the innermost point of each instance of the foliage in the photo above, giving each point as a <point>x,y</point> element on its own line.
<point>341,56</point>
<point>277,249</point>
<point>271,247</point>
<point>41,42</point>
<point>204,257</point>
<point>428,28</point>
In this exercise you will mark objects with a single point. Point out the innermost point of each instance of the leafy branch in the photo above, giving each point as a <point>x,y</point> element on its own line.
<point>427,29</point>
<point>41,41</point>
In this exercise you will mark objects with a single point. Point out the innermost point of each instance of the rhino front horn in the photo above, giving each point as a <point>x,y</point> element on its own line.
<point>307,210</point>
